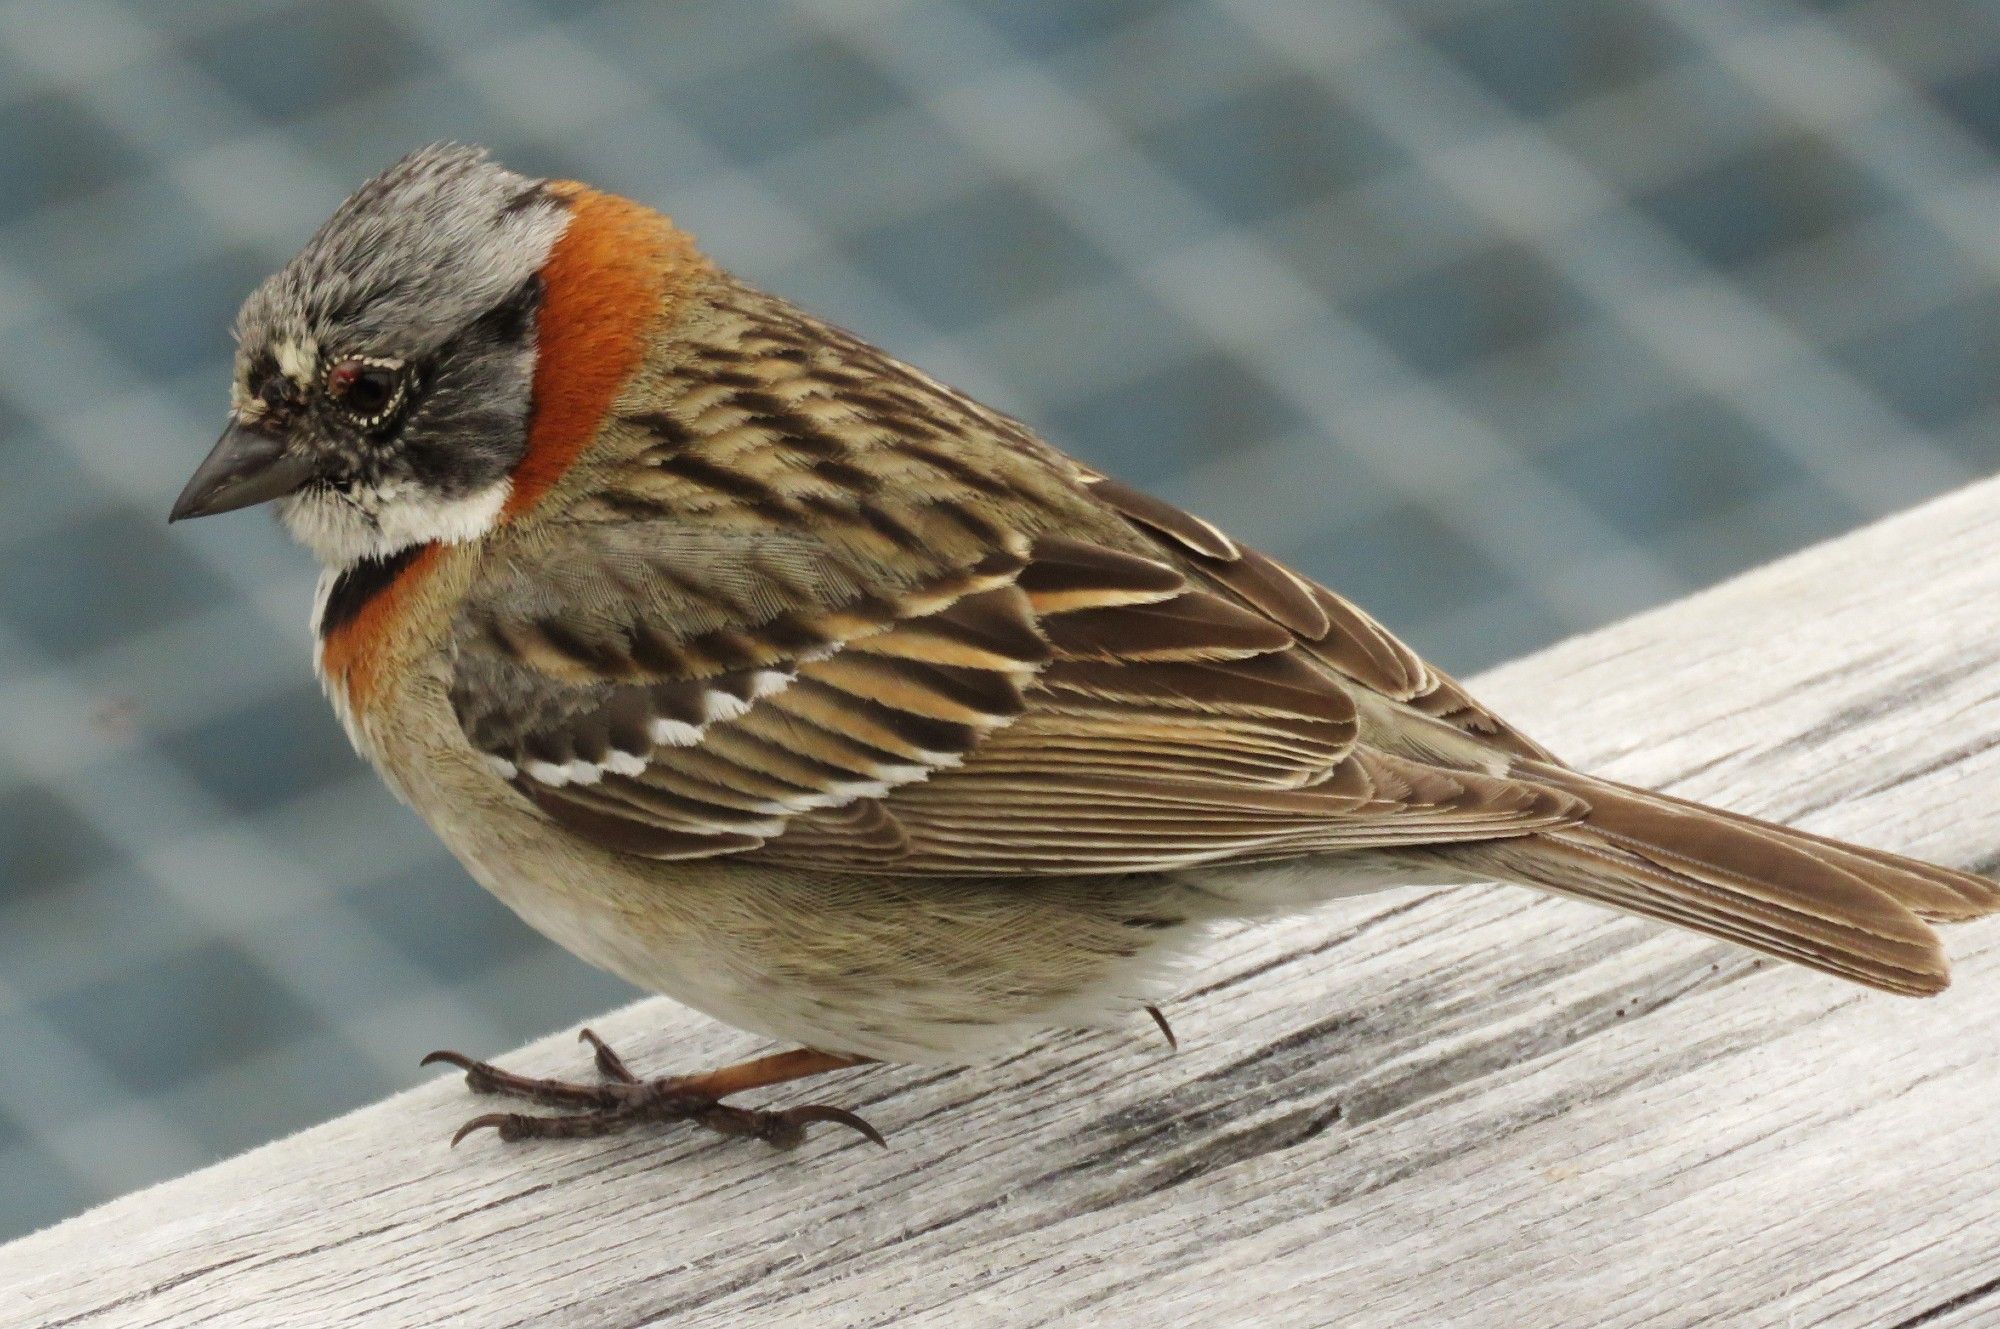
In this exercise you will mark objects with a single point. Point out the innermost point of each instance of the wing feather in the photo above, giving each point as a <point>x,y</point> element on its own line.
<point>1098,710</point>
<point>857,621</point>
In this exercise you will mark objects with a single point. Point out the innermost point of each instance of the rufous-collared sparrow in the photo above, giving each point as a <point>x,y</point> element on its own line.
<point>764,670</point>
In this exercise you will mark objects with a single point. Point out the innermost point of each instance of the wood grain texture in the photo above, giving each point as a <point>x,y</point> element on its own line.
<point>1477,1107</point>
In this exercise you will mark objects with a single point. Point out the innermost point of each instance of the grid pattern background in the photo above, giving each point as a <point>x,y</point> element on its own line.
<point>1508,317</point>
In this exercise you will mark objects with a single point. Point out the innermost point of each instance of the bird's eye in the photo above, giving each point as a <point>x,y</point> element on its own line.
<point>368,390</point>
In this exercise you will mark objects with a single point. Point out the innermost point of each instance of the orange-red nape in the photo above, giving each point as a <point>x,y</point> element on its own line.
<point>618,271</point>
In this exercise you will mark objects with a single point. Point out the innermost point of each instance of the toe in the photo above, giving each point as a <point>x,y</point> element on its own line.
<point>506,1125</point>
<point>479,1077</point>
<point>800,1117</point>
<point>609,1063</point>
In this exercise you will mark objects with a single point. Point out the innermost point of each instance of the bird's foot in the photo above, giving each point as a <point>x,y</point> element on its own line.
<point>623,1100</point>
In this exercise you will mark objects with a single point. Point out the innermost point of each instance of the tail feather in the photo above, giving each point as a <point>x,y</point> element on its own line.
<point>1935,894</point>
<point>1860,913</point>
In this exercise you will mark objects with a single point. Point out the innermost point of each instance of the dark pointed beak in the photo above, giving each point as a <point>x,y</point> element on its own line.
<point>246,468</point>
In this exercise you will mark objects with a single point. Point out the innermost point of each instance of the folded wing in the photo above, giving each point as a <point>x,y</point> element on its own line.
<point>1057,706</point>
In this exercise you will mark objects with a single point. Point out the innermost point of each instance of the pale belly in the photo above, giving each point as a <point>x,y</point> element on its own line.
<point>896,969</point>
<point>893,968</point>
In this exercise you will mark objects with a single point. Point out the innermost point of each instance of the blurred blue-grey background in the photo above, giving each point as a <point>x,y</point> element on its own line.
<point>1508,317</point>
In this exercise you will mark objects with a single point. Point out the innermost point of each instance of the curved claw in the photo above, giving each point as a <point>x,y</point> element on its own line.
<point>609,1064</point>
<point>478,1075</point>
<point>813,1112</point>
<point>497,1121</point>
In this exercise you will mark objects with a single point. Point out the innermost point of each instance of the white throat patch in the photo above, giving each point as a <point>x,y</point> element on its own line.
<point>343,528</point>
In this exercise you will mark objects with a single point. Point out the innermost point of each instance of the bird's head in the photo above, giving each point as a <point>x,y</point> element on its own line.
<point>386,378</point>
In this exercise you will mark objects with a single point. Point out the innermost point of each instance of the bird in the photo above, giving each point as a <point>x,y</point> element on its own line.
<point>769,673</point>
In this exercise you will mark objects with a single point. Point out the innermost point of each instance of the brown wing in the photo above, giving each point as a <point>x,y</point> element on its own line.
<point>826,610</point>
<point>682,690</point>
<point>1330,628</point>
<point>1169,726</point>
<point>1071,709</point>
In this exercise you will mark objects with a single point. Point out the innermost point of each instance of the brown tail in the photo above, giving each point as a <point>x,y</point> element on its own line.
<point>1860,913</point>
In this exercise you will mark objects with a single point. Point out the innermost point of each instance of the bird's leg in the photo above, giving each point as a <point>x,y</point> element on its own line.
<point>625,1100</point>
<point>1160,1019</point>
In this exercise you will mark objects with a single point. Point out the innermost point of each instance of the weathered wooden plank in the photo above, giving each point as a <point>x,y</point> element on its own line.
<point>1471,1107</point>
